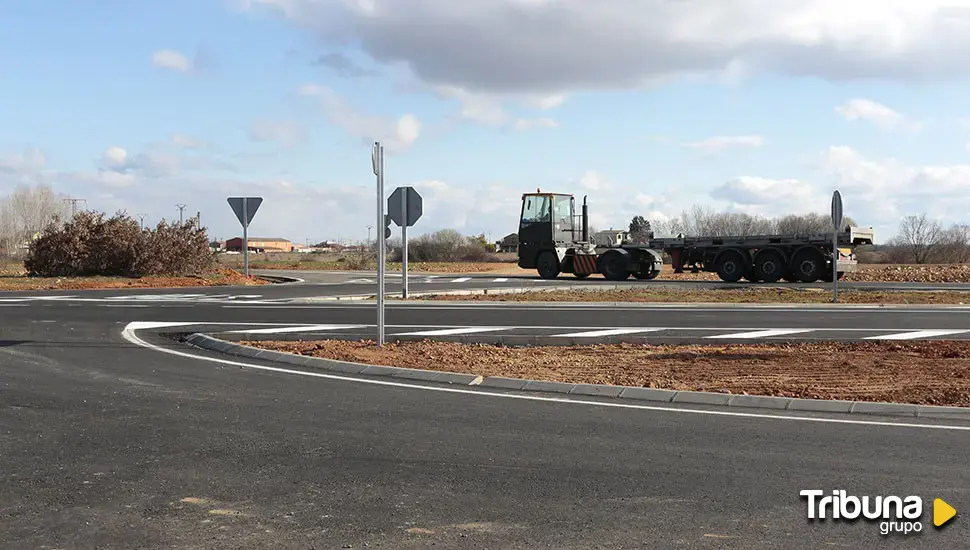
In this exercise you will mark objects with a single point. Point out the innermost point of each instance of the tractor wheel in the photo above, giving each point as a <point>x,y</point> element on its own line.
<point>547,264</point>
<point>581,275</point>
<point>731,266</point>
<point>613,267</point>
<point>770,267</point>
<point>647,275</point>
<point>808,266</point>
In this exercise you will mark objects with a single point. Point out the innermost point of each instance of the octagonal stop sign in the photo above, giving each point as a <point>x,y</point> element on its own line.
<point>405,206</point>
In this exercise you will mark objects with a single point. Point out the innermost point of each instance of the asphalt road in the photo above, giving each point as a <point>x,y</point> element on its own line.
<point>108,444</point>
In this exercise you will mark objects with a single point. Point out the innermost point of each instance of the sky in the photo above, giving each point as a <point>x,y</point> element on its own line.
<point>645,106</point>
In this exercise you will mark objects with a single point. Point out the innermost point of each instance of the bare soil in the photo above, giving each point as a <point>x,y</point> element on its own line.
<point>759,295</point>
<point>943,273</point>
<point>926,372</point>
<point>13,280</point>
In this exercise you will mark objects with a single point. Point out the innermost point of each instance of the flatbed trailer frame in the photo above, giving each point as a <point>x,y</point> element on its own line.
<point>768,258</point>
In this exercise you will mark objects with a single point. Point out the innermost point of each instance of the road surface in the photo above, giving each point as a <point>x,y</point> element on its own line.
<point>105,443</point>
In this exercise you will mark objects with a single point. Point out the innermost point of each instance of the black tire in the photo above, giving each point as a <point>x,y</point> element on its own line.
<point>613,267</point>
<point>581,275</point>
<point>547,264</point>
<point>731,266</point>
<point>809,266</point>
<point>770,267</point>
<point>647,275</point>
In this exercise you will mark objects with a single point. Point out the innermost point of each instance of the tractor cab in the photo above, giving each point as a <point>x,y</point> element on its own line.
<point>548,221</point>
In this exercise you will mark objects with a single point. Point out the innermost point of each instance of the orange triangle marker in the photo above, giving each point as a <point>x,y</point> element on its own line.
<point>942,512</point>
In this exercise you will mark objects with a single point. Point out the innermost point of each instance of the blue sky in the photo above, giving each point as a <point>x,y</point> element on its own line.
<point>140,106</point>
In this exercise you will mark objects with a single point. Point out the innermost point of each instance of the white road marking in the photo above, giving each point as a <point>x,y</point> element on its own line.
<point>915,334</point>
<point>129,334</point>
<point>500,280</point>
<point>462,279</point>
<point>607,332</point>
<point>450,331</point>
<point>308,328</point>
<point>762,333</point>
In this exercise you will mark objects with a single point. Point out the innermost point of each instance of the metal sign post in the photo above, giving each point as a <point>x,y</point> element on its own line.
<point>836,225</point>
<point>377,159</point>
<point>404,249</point>
<point>245,208</point>
<point>405,207</point>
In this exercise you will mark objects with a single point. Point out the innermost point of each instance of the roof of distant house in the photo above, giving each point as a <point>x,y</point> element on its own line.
<point>277,239</point>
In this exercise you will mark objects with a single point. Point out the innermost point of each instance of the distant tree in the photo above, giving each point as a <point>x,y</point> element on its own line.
<point>921,236</point>
<point>640,231</point>
<point>26,212</point>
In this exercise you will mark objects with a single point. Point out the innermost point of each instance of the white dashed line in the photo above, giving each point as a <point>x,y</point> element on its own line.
<point>607,332</point>
<point>450,331</point>
<point>762,333</point>
<point>913,335</point>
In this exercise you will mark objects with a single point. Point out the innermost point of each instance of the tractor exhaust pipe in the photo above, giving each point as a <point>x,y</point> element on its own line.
<point>585,221</point>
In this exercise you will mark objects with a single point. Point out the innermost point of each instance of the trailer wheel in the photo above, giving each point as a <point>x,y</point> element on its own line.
<point>547,264</point>
<point>769,266</point>
<point>731,266</point>
<point>581,275</point>
<point>613,267</point>
<point>808,266</point>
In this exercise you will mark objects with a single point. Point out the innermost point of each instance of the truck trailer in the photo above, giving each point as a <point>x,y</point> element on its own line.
<point>553,240</point>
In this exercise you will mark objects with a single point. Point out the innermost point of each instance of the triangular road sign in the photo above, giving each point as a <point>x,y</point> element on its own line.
<point>245,208</point>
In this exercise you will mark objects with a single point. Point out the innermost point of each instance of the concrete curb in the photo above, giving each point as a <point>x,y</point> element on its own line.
<point>279,279</point>
<point>868,408</point>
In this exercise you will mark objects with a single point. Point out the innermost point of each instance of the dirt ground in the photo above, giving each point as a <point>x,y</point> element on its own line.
<point>946,273</point>
<point>12,280</point>
<point>754,295</point>
<point>927,372</point>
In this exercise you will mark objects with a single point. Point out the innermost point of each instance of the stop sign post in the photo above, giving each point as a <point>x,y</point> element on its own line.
<point>405,207</point>
<point>836,225</point>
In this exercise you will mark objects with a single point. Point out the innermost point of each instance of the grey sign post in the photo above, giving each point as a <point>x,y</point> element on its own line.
<point>245,208</point>
<point>377,160</point>
<point>836,227</point>
<point>405,207</point>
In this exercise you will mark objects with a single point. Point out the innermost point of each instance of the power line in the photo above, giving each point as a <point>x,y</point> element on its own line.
<point>74,202</point>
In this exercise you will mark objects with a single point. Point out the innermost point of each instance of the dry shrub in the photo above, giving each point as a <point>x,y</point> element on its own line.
<point>91,244</point>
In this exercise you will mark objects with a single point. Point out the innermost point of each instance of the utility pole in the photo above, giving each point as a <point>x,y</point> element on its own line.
<point>74,204</point>
<point>142,217</point>
<point>198,220</point>
<point>369,227</point>
<point>181,208</point>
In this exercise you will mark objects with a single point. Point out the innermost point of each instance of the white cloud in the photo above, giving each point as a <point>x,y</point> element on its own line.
<point>769,197</point>
<point>287,132</point>
<point>114,157</point>
<point>545,103</point>
<point>171,59</point>
<point>29,161</point>
<point>524,124</point>
<point>622,44</point>
<point>594,181</point>
<point>718,143</point>
<point>397,135</point>
<point>183,141</point>
<point>868,110</point>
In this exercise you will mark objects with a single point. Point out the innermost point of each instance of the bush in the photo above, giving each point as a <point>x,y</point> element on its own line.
<point>448,245</point>
<point>90,244</point>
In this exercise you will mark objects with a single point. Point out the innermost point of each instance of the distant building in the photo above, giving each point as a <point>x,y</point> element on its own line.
<point>260,244</point>
<point>509,243</point>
